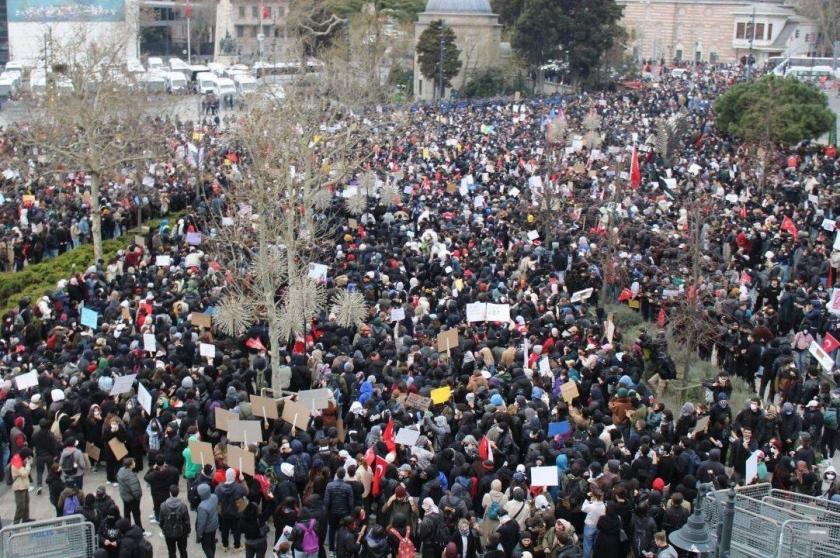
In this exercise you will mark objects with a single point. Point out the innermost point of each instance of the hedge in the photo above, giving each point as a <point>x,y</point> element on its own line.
<point>39,279</point>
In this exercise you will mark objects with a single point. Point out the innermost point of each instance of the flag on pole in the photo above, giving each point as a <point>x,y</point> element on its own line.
<point>787,225</point>
<point>635,170</point>
<point>388,435</point>
<point>378,472</point>
<point>829,343</point>
<point>484,451</point>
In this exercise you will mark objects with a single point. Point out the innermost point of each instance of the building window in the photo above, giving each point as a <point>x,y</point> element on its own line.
<point>678,55</point>
<point>254,31</point>
<point>241,12</point>
<point>759,31</point>
<point>419,86</point>
<point>240,31</point>
<point>713,57</point>
<point>740,30</point>
<point>255,11</point>
<point>796,34</point>
<point>769,31</point>
<point>749,32</point>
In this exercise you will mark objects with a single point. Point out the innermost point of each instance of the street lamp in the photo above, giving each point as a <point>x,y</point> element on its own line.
<point>694,535</point>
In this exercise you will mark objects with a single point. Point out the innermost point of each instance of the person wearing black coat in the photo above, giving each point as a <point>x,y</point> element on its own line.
<point>130,538</point>
<point>339,502</point>
<point>347,543</point>
<point>159,478</point>
<point>608,542</point>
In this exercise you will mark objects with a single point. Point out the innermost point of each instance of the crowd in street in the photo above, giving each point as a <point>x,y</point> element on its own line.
<point>487,210</point>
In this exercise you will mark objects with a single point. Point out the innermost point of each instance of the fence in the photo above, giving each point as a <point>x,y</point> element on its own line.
<point>770,523</point>
<point>62,537</point>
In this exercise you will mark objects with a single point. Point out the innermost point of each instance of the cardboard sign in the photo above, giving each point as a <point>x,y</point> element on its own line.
<point>144,398</point>
<point>822,357</point>
<point>828,224</point>
<point>544,476</point>
<point>533,235</point>
<point>582,295</point>
<point>295,414</point>
<point>201,452</point>
<point>247,431</point>
<point>122,384</point>
<point>702,425</point>
<point>315,399</point>
<point>447,340</point>
<point>419,402</point>
<point>397,314</point>
<point>126,314</point>
<point>26,381</point>
<point>441,395</point>
<point>265,407</point>
<point>609,330</point>
<point>149,342</point>
<point>200,320</point>
<point>90,318</point>
<point>407,436</point>
<point>223,418</point>
<point>240,459</point>
<point>118,449</point>
<point>93,451</point>
<point>207,350</point>
<point>569,391</point>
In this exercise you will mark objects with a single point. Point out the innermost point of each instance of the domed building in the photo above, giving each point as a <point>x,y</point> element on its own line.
<point>478,36</point>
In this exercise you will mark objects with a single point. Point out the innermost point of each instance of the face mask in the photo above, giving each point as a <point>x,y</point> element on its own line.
<point>723,403</point>
<point>464,532</point>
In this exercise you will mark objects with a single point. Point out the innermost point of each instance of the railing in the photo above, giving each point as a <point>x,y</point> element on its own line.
<point>63,537</point>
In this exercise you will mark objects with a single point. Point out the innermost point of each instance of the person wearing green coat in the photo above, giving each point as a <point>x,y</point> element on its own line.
<point>191,469</point>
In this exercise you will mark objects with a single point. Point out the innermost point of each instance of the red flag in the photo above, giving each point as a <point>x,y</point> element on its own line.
<point>187,11</point>
<point>388,436</point>
<point>625,294</point>
<point>635,170</point>
<point>484,451</point>
<point>660,320</point>
<point>829,343</point>
<point>743,212</point>
<point>787,225</point>
<point>378,472</point>
<point>266,12</point>
<point>370,456</point>
<point>255,343</point>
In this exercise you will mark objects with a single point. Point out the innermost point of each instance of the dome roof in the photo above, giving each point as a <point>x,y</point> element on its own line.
<point>459,6</point>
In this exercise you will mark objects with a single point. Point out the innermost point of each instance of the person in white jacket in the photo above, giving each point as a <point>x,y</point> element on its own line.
<point>594,508</point>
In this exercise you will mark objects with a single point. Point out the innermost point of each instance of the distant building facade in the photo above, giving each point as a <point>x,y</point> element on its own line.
<point>252,29</point>
<point>478,36</point>
<point>715,30</point>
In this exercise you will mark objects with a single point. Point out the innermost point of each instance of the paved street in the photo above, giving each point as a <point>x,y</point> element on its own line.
<point>40,508</point>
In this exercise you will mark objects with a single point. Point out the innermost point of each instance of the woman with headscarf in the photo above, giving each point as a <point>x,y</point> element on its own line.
<point>493,504</point>
<point>432,530</point>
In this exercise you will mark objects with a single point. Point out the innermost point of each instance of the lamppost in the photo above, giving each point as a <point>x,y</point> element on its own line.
<point>694,536</point>
<point>440,67</point>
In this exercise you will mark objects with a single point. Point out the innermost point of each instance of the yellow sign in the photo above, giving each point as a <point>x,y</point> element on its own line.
<point>441,395</point>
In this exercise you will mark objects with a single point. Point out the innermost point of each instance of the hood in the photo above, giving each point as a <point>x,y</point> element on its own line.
<point>562,462</point>
<point>203,491</point>
<point>374,540</point>
<point>172,503</point>
<point>193,438</point>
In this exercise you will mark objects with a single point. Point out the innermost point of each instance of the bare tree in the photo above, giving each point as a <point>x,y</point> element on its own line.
<point>92,119</point>
<point>826,16</point>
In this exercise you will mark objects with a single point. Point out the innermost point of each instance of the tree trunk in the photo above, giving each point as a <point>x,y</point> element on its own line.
<point>95,217</point>
<point>274,354</point>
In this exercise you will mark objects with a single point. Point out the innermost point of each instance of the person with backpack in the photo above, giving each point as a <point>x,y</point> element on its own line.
<point>20,466</point>
<point>254,531</point>
<point>131,492</point>
<point>160,478</point>
<point>305,538</point>
<point>175,523</point>
<point>131,542</point>
<point>493,503</point>
<point>432,530</point>
<point>207,520</point>
<point>338,500</point>
<point>70,501</point>
<point>47,449</point>
<point>230,493</point>
<point>72,462</point>
<point>55,485</point>
<point>675,514</point>
<point>205,476</point>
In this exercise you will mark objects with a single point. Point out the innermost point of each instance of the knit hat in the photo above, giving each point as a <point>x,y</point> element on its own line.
<point>622,392</point>
<point>658,484</point>
<point>400,491</point>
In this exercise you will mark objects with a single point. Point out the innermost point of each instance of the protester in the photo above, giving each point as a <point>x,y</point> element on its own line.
<point>21,465</point>
<point>175,523</point>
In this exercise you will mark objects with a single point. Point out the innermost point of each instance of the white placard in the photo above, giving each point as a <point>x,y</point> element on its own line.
<point>26,381</point>
<point>407,436</point>
<point>144,398</point>
<point>163,261</point>
<point>813,199</point>
<point>122,384</point>
<point>498,313</point>
<point>751,469</point>
<point>822,357</point>
<point>584,294</point>
<point>533,235</point>
<point>397,314</point>
<point>544,476</point>
<point>694,168</point>
<point>545,366</point>
<point>318,272</point>
<point>149,342</point>
<point>828,224</point>
<point>227,221</point>
<point>207,350</point>
<point>477,312</point>
<point>834,303</point>
<point>836,246</point>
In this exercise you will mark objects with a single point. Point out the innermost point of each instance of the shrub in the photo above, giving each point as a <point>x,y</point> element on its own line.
<point>488,83</point>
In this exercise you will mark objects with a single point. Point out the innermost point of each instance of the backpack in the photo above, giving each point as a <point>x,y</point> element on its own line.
<point>144,549</point>
<point>309,543</point>
<point>71,505</point>
<point>693,462</point>
<point>830,418</point>
<point>575,493</point>
<point>68,463</point>
<point>493,510</point>
<point>406,547</point>
<point>172,525</point>
<point>192,493</point>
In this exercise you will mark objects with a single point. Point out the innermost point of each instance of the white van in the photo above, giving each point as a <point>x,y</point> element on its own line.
<point>226,87</point>
<point>176,82</point>
<point>155,63</point>
<point>207,82</point>
<point>245,84</point>
<point>154,83</point>
<point>38,83</point>
<point>217,68</point>
<point>809,73</point>
<point>8,86</point>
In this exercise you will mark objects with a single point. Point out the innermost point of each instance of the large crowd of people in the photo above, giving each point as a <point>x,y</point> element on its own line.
<point>498,203</point>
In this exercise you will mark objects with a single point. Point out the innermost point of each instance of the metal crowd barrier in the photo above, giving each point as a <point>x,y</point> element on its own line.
<point>62,537</point>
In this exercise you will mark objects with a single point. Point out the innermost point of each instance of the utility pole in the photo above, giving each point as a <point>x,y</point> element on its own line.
<point>440,68</point>
<point>752,38</point>
<point>725,541</point>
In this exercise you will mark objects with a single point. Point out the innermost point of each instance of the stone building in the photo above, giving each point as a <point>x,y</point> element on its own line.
<point>249,30</point>
<point>715,30</point>
<point>478,36</point>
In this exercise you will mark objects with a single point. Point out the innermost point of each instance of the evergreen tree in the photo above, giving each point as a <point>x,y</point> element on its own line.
<point>432,39</point>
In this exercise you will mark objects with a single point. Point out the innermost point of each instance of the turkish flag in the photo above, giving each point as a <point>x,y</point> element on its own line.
<point>378,472</point>
<point>388,436</point>
<point>787,225</point>
<point>484,451</point>
<point>829,343</point>
<point>255,343</point>
<point>187,11</point>
<point>625,294</point>
<point>266,12</point>
<point>635,170</point>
